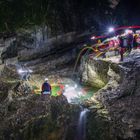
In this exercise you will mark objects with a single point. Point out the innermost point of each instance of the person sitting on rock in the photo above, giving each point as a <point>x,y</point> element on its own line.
<point>46,88</point>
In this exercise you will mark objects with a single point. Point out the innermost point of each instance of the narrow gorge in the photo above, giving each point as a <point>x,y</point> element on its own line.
<point>113,109</point>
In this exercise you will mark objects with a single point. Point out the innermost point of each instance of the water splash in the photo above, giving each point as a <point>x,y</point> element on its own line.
<point>72,92</point>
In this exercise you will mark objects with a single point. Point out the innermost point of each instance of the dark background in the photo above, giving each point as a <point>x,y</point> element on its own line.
<point>68,15</point>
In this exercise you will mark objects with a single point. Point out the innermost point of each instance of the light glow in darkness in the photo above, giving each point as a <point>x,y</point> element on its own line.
<point>21,71</point>
<point>72,91</point>
<point>93,37</point>
<point>127,31</point>
<point>111,29</point>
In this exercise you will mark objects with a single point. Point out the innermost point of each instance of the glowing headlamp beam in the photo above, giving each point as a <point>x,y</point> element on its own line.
<point>111,29</point>
<point>20,71</point>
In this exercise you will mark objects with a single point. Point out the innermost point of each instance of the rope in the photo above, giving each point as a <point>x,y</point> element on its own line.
<point>79,55</point>
<point>94,50</point>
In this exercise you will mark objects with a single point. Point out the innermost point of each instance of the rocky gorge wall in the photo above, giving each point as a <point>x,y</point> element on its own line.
<point>43,54</point>
<point>34,117</point>
<point>24,115</point>
<point>115,107</point>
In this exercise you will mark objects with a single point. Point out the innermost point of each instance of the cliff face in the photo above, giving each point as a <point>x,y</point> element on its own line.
<point>42,54</point>
<point>118,101</point>
<point>59,17</point>
<point>24,115</point>
<point>114,108</point>
<point>94,72</point>
<point>34,117</point>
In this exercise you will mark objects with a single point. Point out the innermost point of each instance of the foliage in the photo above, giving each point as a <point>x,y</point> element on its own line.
<point>66,15</point>
<point>62,15</point>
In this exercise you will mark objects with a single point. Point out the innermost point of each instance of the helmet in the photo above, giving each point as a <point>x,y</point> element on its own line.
<point>46,79</point>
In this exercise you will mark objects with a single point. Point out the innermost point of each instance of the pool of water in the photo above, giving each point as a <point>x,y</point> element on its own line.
<point>87,93</point>
<point>74,92</point>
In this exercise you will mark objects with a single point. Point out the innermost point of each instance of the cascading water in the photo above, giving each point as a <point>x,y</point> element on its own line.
<point>81,129</point>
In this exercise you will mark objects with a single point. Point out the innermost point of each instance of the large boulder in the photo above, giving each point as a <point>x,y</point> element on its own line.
<point>44,55</point>
<point>118,101</point>
<point>94,72</point>
<point>25,115</point>
<point>37,117</point>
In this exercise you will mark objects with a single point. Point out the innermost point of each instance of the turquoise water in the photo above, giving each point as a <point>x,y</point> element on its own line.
<point>88,92</point>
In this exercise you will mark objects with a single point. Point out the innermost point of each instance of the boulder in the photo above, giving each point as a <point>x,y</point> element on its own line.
<point>94,72</point>
<point>119,97</point>
<point>37,117</point>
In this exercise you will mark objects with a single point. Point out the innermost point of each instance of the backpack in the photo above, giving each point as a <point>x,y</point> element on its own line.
<point>46,87</point>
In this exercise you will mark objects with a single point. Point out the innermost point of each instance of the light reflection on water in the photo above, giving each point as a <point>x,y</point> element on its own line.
<point>74,92</point>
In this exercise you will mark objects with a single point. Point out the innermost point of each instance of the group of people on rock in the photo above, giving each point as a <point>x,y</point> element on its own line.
<point>124,43</point>
<point>127,42</point>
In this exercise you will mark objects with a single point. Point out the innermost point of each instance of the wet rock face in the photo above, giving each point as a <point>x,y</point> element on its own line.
<point>42,54</point>
<point>94,72</point>
<point>3,91</point>
<point>120,97</point>
<point>98,127</point>
<point>37,117</point>
<point>24,115</point>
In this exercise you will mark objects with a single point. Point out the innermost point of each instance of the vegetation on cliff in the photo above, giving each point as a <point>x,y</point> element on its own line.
<point>62,15</point>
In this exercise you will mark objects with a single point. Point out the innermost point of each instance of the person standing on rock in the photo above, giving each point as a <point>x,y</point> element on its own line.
<point>130,42</point>
<point>135,43</point>
<point>46,88</point>
<point>123,44</point>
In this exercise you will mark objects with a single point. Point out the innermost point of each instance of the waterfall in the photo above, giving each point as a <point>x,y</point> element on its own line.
<point>81,129</point>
